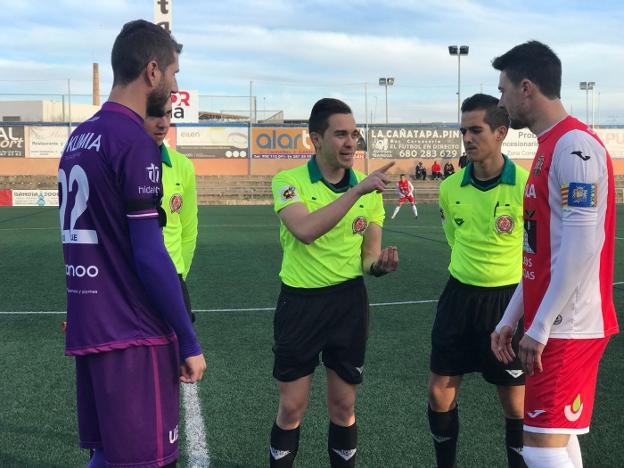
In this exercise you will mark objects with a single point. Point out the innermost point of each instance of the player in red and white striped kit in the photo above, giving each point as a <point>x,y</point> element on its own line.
<point>405,189</point>
<point>566,293</point>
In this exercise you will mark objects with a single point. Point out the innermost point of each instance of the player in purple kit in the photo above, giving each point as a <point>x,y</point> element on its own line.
<point>126,320</point>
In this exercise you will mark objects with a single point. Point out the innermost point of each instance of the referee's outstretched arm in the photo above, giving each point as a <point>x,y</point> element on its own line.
<point>307,227</point>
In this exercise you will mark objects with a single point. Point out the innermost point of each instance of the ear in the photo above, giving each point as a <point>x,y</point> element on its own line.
<point>527,87</point>
<point>501,133</point>
<point>152,73</point>
<point>316,140</point>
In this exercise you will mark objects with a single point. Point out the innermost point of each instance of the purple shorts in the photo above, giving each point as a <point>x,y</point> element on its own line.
<point>128,404</point>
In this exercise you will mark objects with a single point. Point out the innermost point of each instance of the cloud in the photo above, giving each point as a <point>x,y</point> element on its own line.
<point>297,51</point>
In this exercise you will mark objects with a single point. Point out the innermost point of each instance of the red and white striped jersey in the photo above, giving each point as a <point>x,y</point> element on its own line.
<point>405,187</point>
<point>570,185</point>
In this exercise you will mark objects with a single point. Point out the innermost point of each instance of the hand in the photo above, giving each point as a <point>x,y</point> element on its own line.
<point>530,353</point>
<point>192,369</point>
<point>501,344</point>
<point>376,180</point>
<point>387,262</point>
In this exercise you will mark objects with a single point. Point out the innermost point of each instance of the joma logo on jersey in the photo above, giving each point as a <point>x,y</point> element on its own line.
<point>153,172</point>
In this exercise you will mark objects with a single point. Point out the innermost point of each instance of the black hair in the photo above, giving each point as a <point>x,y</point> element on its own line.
<point>322,111</point>
<point>138,43</point>
<point>534,61</point>
<point>494,116</point>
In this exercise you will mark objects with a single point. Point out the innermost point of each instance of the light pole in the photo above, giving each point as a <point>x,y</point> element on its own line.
<point>587,86</point>
<point>385,82</point>
<point>459,51</point>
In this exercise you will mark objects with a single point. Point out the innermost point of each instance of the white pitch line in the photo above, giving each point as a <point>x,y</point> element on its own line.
<point>196,445</point>
<point>250,309</point>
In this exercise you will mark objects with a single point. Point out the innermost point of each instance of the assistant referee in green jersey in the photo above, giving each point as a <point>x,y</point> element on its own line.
<point>330,231</point>
<point>481,210</point>
<point>179,200</point>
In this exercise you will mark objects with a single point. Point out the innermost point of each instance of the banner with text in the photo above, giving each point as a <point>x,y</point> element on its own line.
<point>613,139</point>
<point>290,143</point>
<point>415,143</point>
<point>520,144</point>
<point>185,107</point>
<point>46,142</point>
<point>212,142</point>
<point>35,198</point>
<point>12,141</point>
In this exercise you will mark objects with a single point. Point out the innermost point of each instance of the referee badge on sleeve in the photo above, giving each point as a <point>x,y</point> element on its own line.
<point>288,193</point>
<point>359,225</point>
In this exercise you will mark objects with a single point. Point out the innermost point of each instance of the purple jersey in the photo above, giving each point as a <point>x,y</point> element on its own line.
<point>109,172</point>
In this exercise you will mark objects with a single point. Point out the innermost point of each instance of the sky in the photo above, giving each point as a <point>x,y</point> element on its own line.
<point>291,53</point>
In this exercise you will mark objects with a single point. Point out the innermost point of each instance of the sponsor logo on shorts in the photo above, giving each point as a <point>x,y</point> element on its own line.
<point>359,225</point>
<point>278,454</point>
<point>515,373</point>
<point>175,203</point>
<point>288,192</point>
<point>504,224</point>
<point>536,413</point>
<point>173,435</point>
<point>360,369</point>
<point>439,439</point>
<point>346,455</point>
<point>573,412</point>
<point>459,221</point>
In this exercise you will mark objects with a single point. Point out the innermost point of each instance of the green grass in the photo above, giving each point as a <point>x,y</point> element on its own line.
<point>236,266</point>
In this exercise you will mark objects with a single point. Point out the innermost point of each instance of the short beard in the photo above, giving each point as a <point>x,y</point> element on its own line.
<point>156,101</point>
<point>518,124</point>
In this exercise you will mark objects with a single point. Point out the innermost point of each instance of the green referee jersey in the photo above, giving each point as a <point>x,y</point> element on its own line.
<point>180,203</point>
<point>484,226</point>
<point>336,256</point>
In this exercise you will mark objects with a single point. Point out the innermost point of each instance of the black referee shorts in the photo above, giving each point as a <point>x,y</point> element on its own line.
<point>460,339</point>
<point>187,298</point>
<point>332,320</point>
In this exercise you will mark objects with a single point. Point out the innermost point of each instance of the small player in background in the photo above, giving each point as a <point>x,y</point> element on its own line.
<point>405,190</point>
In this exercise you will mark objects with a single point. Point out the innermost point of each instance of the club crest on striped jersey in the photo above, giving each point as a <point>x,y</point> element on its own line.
<point>539,163</point>
<point>578,194</point>
<point>288,192</point>
<point>359,225</point>
<point>504,224</point>
<point>175,203</point>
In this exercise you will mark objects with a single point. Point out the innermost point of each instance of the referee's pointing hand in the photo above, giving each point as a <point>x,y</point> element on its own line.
<point>376,180</point>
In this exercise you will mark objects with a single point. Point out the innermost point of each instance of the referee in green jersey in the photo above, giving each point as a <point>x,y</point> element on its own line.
<point>330,231</point>
<point>179,200</point>
<point>481,210</point>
